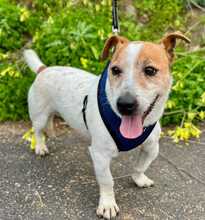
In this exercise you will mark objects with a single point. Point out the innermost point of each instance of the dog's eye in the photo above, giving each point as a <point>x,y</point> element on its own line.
<point>116,71</point>
<point>150,71</point>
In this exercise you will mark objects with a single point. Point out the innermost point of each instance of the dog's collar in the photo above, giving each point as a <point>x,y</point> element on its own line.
<point>112,121</point>
<point>41,68</point>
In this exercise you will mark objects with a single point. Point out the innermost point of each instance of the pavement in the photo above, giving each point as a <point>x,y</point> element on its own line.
<point>62,185</point>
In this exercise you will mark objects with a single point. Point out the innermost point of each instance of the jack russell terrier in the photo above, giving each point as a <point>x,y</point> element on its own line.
<point>116,111</point>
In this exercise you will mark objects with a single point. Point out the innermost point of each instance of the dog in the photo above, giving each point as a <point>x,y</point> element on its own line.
<point>137,87</point>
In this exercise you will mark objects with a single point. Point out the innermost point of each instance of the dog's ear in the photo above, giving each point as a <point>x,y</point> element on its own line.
<point>114,42</point>
<point>169,42</point>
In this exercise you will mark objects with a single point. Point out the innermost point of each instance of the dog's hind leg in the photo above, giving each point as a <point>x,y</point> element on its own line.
<point>39,111</point>
<point>50,129</point>
<point>39,124</point>
<point>148,153</point>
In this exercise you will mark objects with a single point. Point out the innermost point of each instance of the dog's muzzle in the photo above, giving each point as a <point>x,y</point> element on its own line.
<point>127,104</point>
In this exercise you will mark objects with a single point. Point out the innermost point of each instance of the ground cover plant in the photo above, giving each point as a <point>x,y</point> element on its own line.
<point>73,33</point>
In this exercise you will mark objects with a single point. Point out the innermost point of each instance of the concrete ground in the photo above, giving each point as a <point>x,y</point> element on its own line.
<point>62,185</point>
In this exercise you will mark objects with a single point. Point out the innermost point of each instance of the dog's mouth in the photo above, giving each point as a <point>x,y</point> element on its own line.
<point>132,125</point>
<point>151,106</point>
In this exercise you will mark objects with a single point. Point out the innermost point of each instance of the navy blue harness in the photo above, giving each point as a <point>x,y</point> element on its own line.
<point>112,121</point>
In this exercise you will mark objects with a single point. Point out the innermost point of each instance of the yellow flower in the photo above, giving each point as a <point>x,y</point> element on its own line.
<point>195,131</point>
<point>170,104</point>
<point>30,137</point>
<point>24,14</point>
<point>33,142</point>
<point>162,134</point>
<point>11,72</point>
<point>104,2</point>
<point>3,56</point>
<point>84,62</point>
<point>203,98</point>
<point>185,132</point>
<point>101,33</point>
<point>170,132</point>
<point>85,2</point>
<point>202,115</point>
<point>191,115</point>
<point>179,85</point>
<point>187,125</point>
<point>97,7</point>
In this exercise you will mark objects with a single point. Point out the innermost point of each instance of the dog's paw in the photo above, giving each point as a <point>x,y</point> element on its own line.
<point>142,180</point>
<point>107,208</point>
<point>41,150</point>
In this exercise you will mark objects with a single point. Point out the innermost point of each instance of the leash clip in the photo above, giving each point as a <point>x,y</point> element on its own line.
<point>115,31</point>
<point>115,23</point>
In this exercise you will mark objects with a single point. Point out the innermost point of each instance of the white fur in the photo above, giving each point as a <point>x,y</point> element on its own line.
<point>132,51</point>
<point>62,90</point>
<point>144,96</point>
<point>127,85</point>
<point>32,60</point>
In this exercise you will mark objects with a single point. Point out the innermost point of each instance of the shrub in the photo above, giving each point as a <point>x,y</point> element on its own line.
<point>74,38</point>
<point>73,33</point>
<point>159,17</point>
<point>13,91</point>
<point>187,101</point>
<point>12,26</point>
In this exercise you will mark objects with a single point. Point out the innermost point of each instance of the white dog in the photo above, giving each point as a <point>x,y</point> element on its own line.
<point>137,87</point>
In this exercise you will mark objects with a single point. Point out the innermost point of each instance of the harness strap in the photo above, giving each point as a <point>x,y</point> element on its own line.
<point>112,121</point>
<point>85,102</point>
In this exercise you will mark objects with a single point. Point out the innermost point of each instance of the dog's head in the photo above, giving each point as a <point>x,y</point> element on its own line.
<point>139,80</point>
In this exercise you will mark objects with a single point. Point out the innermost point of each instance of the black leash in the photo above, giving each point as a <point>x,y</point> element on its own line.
<point>115,23</point>
<point>115,30</point>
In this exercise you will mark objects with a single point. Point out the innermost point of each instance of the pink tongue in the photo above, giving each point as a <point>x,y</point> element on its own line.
<point>131,126</point>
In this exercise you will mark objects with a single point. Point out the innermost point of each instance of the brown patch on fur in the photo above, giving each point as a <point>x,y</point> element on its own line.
<point>115,42</point>
<point>40,69</point>
<point>169,42</point>
<point>120,44</point>
<point>118,58</point>
<point>153,55</point>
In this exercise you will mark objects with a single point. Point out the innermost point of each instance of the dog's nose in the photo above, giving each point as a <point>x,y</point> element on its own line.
<point>127,104</point>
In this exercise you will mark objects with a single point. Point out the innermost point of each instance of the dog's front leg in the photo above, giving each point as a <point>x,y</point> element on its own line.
<point>148,153</point>
<point>107,207</point>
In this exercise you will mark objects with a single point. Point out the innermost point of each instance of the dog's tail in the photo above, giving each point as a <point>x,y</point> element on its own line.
<point>33,61</point>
